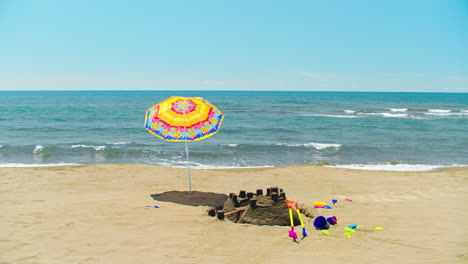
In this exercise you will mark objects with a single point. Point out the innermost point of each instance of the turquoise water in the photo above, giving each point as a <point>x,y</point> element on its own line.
<point>260,129</point>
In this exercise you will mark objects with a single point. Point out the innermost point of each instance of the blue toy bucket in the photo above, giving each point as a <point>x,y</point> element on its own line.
<point>321,223</point>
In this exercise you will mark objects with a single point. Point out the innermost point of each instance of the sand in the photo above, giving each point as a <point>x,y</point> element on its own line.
<point>98,214</point>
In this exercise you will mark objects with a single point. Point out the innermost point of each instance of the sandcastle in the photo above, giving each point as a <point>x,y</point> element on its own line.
<point>256,208</point>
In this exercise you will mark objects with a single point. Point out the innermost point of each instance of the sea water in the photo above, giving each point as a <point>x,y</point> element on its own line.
<point>383,131</point>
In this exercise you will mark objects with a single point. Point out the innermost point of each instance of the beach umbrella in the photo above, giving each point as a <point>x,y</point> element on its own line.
<point>183,119</point>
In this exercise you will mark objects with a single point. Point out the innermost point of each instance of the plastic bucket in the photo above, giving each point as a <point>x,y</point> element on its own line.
<point>321,223</point>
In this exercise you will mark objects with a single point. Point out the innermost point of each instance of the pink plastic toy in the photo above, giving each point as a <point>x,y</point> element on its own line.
<point>292,234</point>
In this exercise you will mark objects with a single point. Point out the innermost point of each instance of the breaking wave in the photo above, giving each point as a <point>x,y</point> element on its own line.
<point>337,116</point>
<point>230,145</point>
<point>399,109</point>
<point>119,143</point>
<point>97,148</point>
<point>446,114</point>
<point>38,149</point>
<point>439,111</point>
<point>320,146</point>
<point>393,115</point>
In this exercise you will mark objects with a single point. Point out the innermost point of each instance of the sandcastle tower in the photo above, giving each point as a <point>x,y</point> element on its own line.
<point>257,208</point>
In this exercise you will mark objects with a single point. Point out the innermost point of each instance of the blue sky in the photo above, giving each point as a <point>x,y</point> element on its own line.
<point>419,46</point>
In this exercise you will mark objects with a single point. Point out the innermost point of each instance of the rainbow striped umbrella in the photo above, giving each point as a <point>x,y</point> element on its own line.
<point>183,119</point>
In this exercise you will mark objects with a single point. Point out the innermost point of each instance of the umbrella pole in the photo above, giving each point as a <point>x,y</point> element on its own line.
<point>186,150</point>
<point>188,165</point>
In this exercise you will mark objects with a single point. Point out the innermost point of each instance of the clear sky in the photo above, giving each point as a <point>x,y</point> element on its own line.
<point>410,45</point>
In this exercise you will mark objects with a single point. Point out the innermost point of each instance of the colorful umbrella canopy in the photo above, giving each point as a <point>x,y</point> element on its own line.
<point>183,119</point>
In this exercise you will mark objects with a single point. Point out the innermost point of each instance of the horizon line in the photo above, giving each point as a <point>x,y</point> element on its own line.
<point>222,91</point>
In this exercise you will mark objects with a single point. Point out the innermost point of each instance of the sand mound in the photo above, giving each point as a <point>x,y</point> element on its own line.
<point>259,209</point>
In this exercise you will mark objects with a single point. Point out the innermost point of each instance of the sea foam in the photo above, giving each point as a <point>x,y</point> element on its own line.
<point>314,145</point>
<point>230,145</point>
<point>337,116</point>
<point>399,109</point>
<point>439,111</point>
<point>23,165</point>
<point>389,167</point>
<point>320,146</point>
<point>394,115</point>
<point>445,114</point>
<point>97,148</point>
<point>119,143</point>
<point>385,114</point>
<point>38,149</point>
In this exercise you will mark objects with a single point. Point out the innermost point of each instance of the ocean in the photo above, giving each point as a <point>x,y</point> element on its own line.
<point>368,130</point>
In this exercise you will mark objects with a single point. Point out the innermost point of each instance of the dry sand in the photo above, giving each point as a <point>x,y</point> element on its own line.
<point>98,214</point>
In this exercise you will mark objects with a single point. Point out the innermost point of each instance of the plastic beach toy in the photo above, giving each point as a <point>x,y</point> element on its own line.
<point>319,204</point>
<point>349,229</point>
<point>332,220</point>
<point>353,226</point>
<point>292,234</point>
<point>155,206</point>
<point>348,200</point>
<point>325,232</point>
<point>321,223</point>
<point>328,207</point>
<point>378,228</point>
<point>347,234</point>
<point>334,201</point>
<point>304,233</point>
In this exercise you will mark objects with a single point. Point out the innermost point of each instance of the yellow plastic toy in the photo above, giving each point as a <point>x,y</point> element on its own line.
<point>292,234</point>
<point>304,233</point>
<point>319,204</point>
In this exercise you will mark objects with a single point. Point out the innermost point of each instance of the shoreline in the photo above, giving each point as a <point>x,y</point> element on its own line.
<point>364,167</point>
